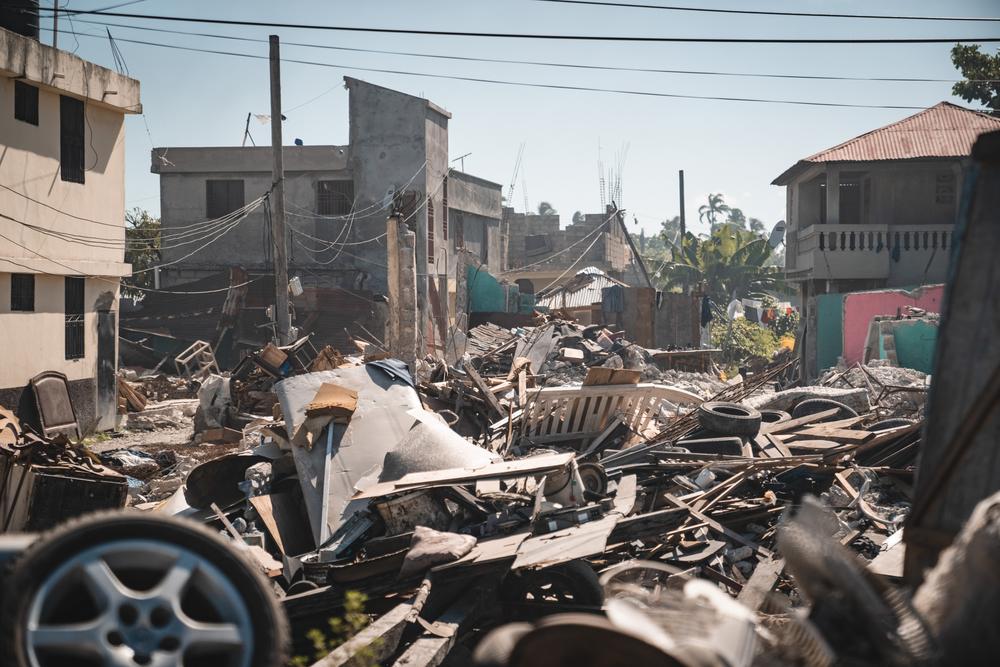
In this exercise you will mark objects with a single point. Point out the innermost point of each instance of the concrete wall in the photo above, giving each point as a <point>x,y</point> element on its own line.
<point>861,307</point>
<point>34,342</point>
<point>678,321</point>
<point>29,165</point>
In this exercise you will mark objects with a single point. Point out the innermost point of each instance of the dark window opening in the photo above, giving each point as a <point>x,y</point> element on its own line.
<point>334,197</point>
<point>484,249</point>
<point>430,231</point>
<point>25,102</point>
<point>537,244</point>
<point>71,132</point>
<point>22,292</point>
<point>222,198</point>
<point>74,317</point>
<point>444,210</point>
<point>944,188</point>
<point>854,198</point>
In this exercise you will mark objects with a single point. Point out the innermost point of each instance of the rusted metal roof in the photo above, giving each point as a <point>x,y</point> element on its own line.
<point>580,291</point>
<point>944,130</point>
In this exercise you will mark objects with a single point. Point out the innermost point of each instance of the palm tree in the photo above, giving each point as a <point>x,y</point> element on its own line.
<point>545,208</point>
<point>579,216</point>
<point>757,226</point>
<point>710,212</point>
<point>737,217</point>
<point>732,262</point>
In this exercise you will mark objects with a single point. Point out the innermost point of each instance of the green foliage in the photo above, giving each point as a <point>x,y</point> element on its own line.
<point>743,340</point>
<point>142,232</point>
<point>786,324</point>
<point>732,262</point>
<point>578,216</point>
<point>715,208</point>
<point>545,208</point>
<point>342,629</point>
<point>981,72</point>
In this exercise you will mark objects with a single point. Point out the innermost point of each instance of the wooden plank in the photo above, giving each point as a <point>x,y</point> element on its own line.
<point>431,648</point>
<point>483,388</point>
<point>781,427</point>
<point>382,636</point>
<point>838,434</point>
<point>718,527</point>
<point>778,445</point>
<point>761,583</point>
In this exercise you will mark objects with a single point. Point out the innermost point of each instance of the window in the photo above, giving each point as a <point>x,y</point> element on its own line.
<point>430,230</point>
<point>444,210</point>
<point>944,188</point>
<point>25,102</point>
<point>22,292</point>
<point>222,198</point>
<point>74,317</point>
<point>334,197</point>
<point>71,139</point>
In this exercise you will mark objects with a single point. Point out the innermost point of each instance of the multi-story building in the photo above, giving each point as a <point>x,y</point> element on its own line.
<point>62,219</point>
<point>337,200</point>
<point>878,210</point>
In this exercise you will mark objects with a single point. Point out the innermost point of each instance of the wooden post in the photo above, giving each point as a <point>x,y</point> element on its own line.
<point>680,184</point>
<point>282,319</point>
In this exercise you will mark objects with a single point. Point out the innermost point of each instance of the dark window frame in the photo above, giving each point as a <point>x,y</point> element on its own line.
<point>223,196</point>
<point>22,292</point>
<point>334,197</point>
<point>74,288</point>
<point>26,103</point>
<point>430,230</point>
<point>72,133</point>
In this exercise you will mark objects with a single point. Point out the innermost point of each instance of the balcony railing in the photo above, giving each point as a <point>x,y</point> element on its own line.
<point>864,251</point>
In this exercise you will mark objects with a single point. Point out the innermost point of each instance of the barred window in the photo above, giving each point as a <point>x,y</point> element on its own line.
<point>71,149</point>
<point>334,197</point>
<point>430,230</point>
<point>74,317</point>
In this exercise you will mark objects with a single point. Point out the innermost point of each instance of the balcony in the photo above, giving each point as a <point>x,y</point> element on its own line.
<point>899,254</point>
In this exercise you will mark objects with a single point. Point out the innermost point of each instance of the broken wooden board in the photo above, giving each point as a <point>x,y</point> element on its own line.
<point>381,637</point>
<point>598,375</point>
<point>484,389</point>
<point>791,424</point>
<point>763,580</point>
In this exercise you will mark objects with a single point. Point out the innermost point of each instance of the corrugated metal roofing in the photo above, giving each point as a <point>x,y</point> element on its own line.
<point>942,131</point>
<point>569,296</point>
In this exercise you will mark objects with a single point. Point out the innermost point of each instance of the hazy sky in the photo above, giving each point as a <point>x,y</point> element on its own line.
<point>737,148</point>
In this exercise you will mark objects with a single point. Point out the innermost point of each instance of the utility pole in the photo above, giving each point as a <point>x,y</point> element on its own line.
<point>281,317</point>
<point>680,183</point>
<point>55,25</point>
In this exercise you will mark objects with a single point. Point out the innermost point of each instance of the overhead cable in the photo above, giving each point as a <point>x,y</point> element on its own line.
<point>536,63</point>
<point>545,36</point>
<point>552,86</point>
<point>761,12</point>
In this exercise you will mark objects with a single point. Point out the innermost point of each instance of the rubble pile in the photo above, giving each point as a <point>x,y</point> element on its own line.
<point>893,391</point>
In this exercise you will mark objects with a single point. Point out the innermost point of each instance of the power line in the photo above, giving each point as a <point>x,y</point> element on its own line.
<point>759,12</point>
<point>548,36</point>
<point>552,86</point>
<point>536,63</point>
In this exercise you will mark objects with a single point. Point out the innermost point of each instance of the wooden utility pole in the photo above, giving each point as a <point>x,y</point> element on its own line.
<point>55,25</point>
<point>282,319</point>
<point>680,183</point>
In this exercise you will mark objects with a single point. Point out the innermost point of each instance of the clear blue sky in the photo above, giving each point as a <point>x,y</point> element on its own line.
<point>736,148</point>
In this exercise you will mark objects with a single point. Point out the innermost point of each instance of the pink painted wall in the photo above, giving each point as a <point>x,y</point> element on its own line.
<point>861,307</point>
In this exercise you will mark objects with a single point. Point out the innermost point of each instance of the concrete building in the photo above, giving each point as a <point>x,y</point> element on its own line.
<point>878,210</point>
<point>539,251</point>
<point>338,199</point>
<point>62,221</point>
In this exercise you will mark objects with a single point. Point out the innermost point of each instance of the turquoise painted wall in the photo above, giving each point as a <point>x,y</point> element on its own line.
<point>486,294</point>
<point>915,342</point>
<point>829,329</point>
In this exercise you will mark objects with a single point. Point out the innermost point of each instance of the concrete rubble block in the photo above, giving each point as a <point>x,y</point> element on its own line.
<point>857,399</point>
<point>213,402</point>
<point>571,355</point>
<point>167,414</point>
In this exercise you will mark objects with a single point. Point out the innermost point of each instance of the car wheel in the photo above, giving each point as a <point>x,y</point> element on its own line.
<point>122,588</point>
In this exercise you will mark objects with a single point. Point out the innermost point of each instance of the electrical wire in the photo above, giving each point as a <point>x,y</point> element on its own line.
<point>551,86</point>
<point>380,206</point>
<point>546,36</point>
<point>505,61</point>
<point>760,12</point>
<point>595,231</point>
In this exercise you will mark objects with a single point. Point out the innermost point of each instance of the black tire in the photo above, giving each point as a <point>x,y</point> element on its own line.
<point>723,418</point>
<point>270,636</point>
<point>496,647</point>
<point>595,480</point>
<point>574,581</point>
<point>811,406</point>
<point>886,424</point>
<point>774,416</point>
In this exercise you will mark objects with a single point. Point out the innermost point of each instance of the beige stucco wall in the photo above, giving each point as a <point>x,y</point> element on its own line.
<point>34,342</point>
<point>29,165</point>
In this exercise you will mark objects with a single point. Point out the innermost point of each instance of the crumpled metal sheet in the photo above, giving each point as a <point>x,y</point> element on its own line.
<point>345,453</point>
<point>432,445</point>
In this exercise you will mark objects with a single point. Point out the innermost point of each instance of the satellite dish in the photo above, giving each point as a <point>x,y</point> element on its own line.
<point>777,234</point>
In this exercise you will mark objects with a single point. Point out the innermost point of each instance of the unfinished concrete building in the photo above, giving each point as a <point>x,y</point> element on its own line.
<point>541,254</point>
<point>337,199</point>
